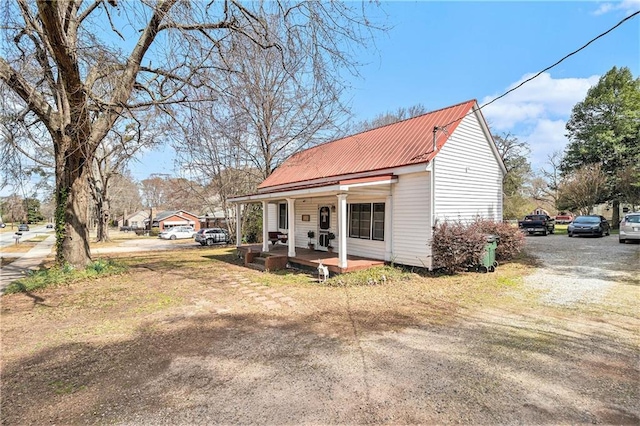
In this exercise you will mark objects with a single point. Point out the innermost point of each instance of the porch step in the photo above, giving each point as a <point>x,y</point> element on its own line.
<point>260,260</point>
<point>257,266</point>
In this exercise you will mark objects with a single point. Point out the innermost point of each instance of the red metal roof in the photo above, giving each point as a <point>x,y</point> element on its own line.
<point>404,143</point>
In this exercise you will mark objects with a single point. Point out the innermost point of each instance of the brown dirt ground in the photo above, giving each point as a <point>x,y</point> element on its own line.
<point>190,337</point>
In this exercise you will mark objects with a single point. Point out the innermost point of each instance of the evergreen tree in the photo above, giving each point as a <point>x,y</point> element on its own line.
<point>604,129</point>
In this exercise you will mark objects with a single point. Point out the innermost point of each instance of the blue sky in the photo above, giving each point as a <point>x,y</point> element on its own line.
<point>442,53</point>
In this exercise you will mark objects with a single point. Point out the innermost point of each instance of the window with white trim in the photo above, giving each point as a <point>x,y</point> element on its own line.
<point>366,221</point>
<point>283,220</point>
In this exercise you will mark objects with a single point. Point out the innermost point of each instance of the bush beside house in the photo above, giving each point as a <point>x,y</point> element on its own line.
<point>458,245</point>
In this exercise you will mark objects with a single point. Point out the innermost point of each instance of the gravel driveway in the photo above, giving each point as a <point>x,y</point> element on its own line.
<point>581,269</point>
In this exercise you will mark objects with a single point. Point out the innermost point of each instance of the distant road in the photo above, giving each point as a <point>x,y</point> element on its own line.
<point>7,238</point>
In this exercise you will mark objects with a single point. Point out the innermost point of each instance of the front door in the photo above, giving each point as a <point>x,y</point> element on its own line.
<point>324,223</point>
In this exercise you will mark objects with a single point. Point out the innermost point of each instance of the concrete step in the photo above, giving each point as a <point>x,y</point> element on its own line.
<point>257,266</point>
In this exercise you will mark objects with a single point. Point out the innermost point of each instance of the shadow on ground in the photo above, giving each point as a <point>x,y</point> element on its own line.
<point>339,366</point>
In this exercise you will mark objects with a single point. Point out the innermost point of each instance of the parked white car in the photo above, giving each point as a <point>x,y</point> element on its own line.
<point>630,228</point>
<point>178,232</point>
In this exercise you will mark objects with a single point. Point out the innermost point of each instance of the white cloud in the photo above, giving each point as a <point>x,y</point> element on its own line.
<point>537,112</point>
<point>627,6</point>
<point>542,97</point>
<point>544,139</point>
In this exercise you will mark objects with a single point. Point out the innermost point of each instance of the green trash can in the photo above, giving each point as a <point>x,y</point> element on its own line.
<point>489,263</point>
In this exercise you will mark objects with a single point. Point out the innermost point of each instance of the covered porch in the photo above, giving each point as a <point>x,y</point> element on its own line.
<point>320,216</point>
<point>252,254</point>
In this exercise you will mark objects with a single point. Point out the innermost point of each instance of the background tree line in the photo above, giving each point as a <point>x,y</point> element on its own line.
<point>85,84</point>
<point>600,164</point>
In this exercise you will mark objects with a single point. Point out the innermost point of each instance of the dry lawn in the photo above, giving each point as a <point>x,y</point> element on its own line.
<point>190,337</point>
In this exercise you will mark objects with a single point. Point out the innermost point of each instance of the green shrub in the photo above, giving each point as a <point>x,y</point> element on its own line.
<point>64,274</point>
<point>155,231</point>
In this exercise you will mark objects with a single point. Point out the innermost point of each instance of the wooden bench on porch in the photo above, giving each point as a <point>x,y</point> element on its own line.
<point>276,237</point>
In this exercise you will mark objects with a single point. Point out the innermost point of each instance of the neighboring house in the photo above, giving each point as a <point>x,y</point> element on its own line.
<point>215,219</point>
<point>135,220</point>
<point>381,192</point>
<point>169,219</point>
<point>540,210</point>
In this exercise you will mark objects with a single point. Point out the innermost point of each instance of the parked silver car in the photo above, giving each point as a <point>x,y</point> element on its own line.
<point>630,228</point>
<point>211,236</point>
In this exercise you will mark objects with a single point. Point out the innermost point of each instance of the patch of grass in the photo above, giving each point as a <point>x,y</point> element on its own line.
<point>63,275</point>
<point>61,387</point>
<point>38,238</point>
<point>158,302</point>
<point>286,276</point>
<point>22,247</point>
<point>508,281</point>
<point>372,276</point>
<point>561,229</point>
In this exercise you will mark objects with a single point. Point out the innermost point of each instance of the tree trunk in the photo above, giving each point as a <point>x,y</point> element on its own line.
<point>72,200</point>
<point>615,219</point>
<point>102,210</point>
<point>102,217</point>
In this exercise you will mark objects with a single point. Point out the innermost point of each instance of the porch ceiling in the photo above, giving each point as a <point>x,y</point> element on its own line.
<point>373,185</point>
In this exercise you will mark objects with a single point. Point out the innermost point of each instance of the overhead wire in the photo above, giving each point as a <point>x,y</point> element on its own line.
<point>539,73</point>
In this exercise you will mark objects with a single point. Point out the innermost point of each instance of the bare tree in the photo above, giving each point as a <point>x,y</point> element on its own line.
<point>514,154</point>
<point>553,177</point>
<point>27,162</point>
<point>582,189</point>
<point>110,159</point>
<point>125,194</point>
<point>269,107</point>
<point>65,65</point>
<point>13,209</point>
<point>391,117</point>
<point>155,191</point>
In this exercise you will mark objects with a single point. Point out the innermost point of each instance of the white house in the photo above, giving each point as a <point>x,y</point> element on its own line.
<point>382,191</point>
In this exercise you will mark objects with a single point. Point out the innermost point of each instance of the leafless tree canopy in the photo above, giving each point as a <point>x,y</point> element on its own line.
<point>391,117</point>
<point>582,189</point>
<point>76,67</point>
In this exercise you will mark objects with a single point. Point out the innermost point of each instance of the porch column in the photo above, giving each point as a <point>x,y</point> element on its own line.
<point>265,226</point>
<point>342,230</point>
<point>238,225</point>
<point>291,218</point>
<point>388,231</point>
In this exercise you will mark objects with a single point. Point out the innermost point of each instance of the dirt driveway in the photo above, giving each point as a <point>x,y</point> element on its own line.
<point>186,340</point>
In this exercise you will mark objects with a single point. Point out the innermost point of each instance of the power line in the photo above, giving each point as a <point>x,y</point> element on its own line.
<point>546,69</point>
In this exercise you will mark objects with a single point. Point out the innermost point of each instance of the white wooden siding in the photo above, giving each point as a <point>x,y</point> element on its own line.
<point>310,207</point>
<point>272,217</point>
<point>468,178</point>
<point>410,220</point>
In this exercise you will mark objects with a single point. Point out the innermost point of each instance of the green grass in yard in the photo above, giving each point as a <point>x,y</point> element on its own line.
<point>64,275</point>
<point>62,387</point>
<point>157,302</point>
<point>38,238</point>
<point>561,229</point>
<point>380,275</point>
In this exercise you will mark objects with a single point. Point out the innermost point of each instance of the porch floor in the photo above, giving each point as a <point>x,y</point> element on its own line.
<point>312,258</point>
